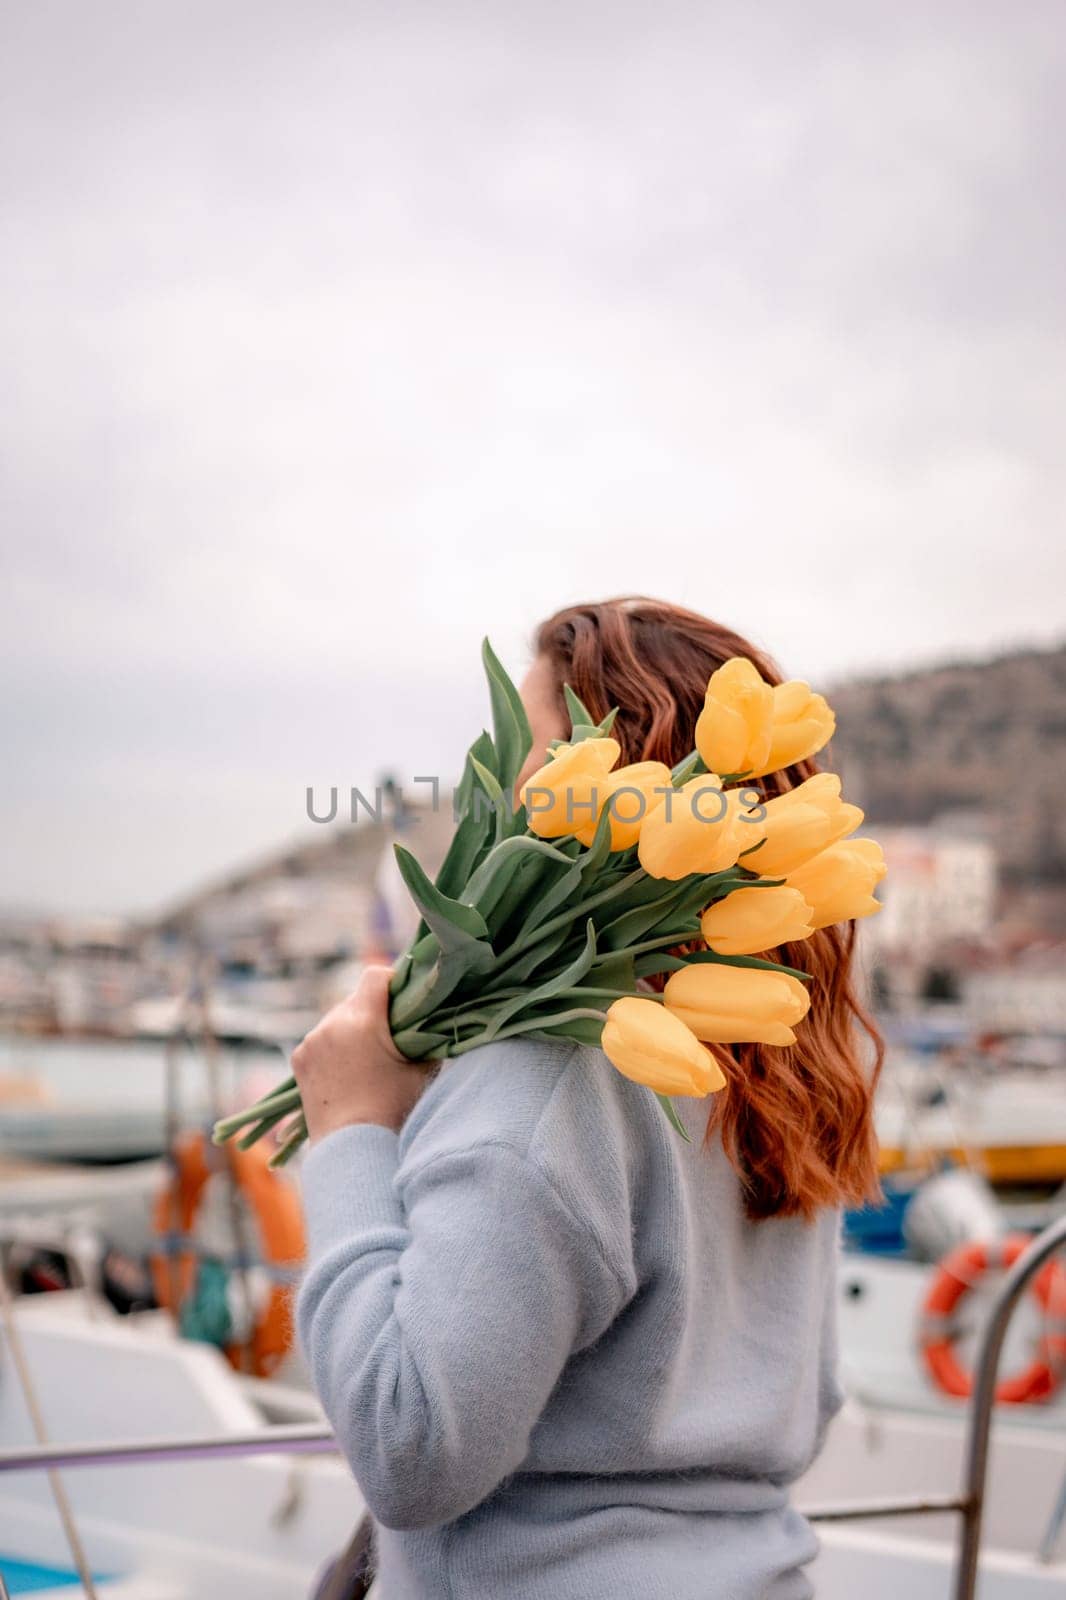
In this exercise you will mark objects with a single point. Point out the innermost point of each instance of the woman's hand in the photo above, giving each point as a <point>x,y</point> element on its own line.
<point>348,1068</point>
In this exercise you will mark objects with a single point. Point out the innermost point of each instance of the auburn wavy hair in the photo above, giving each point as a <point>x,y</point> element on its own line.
<point>795,1121</point>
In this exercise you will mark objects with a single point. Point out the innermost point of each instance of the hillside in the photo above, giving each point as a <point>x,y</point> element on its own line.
<point>990,735</point>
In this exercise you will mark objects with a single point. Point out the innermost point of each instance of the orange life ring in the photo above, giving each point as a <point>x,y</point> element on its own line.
<point>276,1208</point>
<point>959,1271</point>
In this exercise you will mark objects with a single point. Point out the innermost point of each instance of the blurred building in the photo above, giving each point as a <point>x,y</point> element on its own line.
<point>1020,992</point>
<point>941,886</point>
<point>268,948</point>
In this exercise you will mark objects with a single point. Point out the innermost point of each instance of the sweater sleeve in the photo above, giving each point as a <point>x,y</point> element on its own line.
<point>437,1313</point>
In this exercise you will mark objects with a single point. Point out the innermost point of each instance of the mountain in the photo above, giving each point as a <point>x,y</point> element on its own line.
<point>980,735</point>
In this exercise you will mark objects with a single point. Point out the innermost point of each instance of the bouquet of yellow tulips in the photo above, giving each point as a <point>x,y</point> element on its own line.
<point>546,915</point>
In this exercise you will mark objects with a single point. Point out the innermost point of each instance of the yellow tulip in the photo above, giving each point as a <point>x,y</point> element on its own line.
<point>839,882</point>
<point>564,793</point>
<point>698,828</point>
<point>737,1005</point>
<point>651,1046</point>
<point>750,920</point>
<point>630,793</point>
<point>733,729</point>
<point>799,823</point>
<point>802,723</point>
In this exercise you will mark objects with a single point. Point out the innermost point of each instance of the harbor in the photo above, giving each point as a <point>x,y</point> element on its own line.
<point>148,1272</point>
<point>564,505</point>
<point>162,1432</point>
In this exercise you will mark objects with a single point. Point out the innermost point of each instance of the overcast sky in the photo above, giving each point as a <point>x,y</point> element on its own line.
<point>336,335</point>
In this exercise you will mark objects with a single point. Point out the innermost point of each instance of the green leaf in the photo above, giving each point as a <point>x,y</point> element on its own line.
<point>513,738</point>
<point>667,939</point>
<point>487,778</point>
<point>648,891</point>
<point>671,1115</point>
<point>658,961</point>
<point>482,750</point>
<point>570,975</point>
<point>692,895</point>
<point>565,1022</point>
<point>583,1030</point>
<point>739,877</point>
<point>502,812</point>
<point>420,1044</point>
<point>583,724</point>
<point>454,924</point>
<point>516,956</point>
<point>632,925</point>
<point>577,710</point>
<point>425,992</point>
<point>400,972</point>
<point>712,958</point>
<point>615,970</point>
<point>523,964</point>
<point>607,996</point>
<point>461,936</point>
<point>693,766</point>
<point>504,862</point>
<point>475,825</point>
<point>576,870</point>
<point>600,848</point>
<point>424,950</point>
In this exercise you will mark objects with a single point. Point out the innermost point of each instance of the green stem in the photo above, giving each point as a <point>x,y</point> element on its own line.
<point>479,1003</point>
<point>664,942</point>
<point>712,958</point>
<point>258,1131</point>
<point>566,918</point>
<point>290,1147</point>
<point>690,767</point>
<point>282,1101</point>
<point>532,1025</point>
<point>615,994</point>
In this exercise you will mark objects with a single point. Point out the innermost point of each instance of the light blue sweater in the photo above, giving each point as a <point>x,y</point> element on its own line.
<point>562,1363</point>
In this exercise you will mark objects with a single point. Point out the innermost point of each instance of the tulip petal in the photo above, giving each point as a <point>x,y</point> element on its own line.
<point>646,1043</point>
<point>735,1005</point>
<point>750,920</point>
<point>839,881</point>
<point>696,829</point>
<point>734,728</point>
<point>802,724</point>
<point>570,789</point>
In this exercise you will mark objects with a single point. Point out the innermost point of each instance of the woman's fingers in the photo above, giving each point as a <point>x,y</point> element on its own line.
<point>348,1068</point>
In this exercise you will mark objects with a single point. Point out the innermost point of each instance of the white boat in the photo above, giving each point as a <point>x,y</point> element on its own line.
<point>262,1527</point>
<point>879,1316</point>
<point>897,1454</point>
<point>65,1207</point>
<point>1009,1124</point>
<point>105,1100</point>
<point>256,1528</point>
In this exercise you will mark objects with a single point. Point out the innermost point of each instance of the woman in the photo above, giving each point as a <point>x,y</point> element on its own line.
<point>568,1355</point>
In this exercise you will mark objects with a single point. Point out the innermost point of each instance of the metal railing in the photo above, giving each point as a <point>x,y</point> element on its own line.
<point>969,1503</point>
<point>975,1477</point>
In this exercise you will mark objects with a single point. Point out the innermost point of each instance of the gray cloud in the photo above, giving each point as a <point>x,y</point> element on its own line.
<point>337,335</point>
